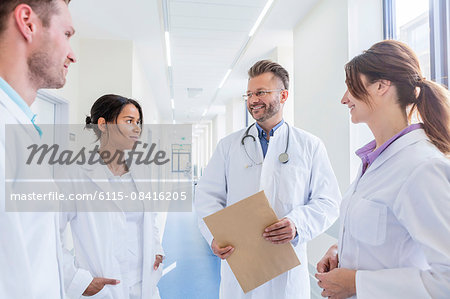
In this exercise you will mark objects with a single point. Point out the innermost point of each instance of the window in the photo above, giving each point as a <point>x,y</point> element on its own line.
<point>181,158</point>
<point>423,25</point>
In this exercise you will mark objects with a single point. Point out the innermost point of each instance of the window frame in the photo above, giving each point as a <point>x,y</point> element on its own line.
<point>439,13</point>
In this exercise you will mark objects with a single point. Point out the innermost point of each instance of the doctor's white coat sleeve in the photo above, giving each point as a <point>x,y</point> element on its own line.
<point>322,207</point>
<point>76,280</point>
<point>423,208</point>
<point>211,191</point>
<point>156,235</point>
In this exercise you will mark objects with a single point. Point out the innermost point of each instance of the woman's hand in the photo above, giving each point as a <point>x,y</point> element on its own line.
<point>97,284</point>
<point>329,261</point>
<point>158,260</point>
<point>339,283</point>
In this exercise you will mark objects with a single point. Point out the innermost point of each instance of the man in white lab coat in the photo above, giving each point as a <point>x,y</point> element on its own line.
<point>34,53</point>
<point>289,164</point>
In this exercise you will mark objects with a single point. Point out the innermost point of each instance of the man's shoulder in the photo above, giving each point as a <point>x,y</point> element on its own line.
<point>306,137</point>
<point>6,116</point>
<point>8,110</point>
<point>232,138</point>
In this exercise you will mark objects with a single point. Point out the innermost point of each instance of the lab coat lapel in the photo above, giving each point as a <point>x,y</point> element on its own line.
<point>256,148</point>
<point>98,175</point>
<point>352,188</point>
<point>252,149</point>
<point>150,277</point>
<point>271,163</point>
<point>396,146</point>
<point>14,109</point>
<point>140,176</point>
<point>345,203</point>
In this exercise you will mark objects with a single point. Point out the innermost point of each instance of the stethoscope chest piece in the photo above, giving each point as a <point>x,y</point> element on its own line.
<point>283,158</point>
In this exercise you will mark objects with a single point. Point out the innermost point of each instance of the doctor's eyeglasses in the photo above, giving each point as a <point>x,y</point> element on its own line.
<point>259,93</point>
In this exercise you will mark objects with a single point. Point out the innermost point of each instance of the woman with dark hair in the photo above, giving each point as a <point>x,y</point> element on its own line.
<point>117,253</point>
<point>395,218</point>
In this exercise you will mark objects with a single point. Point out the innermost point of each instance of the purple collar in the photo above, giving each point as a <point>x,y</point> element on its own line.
<point>368,154</point>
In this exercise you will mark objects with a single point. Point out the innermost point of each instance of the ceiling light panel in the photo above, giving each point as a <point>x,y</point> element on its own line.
<point>205,38</point>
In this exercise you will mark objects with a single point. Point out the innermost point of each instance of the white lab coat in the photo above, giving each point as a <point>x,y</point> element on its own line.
<point>395,223</point>
<point>30,249</point>
<point>100,242</point>
<point>304,190</point>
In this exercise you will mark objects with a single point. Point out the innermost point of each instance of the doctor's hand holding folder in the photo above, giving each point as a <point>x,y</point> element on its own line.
<point>249,235</point>
<point>282,231</point>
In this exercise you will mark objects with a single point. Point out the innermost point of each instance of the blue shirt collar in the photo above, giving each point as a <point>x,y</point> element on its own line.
<point>262,133</point>
<point>16,98</point>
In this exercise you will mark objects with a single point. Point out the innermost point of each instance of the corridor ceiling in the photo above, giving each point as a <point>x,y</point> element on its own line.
<point>207,37</point>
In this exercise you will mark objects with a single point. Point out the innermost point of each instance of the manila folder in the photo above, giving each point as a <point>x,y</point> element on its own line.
<point>241,225</point>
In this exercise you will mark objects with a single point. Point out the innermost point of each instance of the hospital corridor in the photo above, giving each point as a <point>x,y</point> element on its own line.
<point>224,149</point>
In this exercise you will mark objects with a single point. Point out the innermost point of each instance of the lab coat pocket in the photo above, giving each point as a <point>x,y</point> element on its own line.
<point>290,184</point>
<point>368,222</point>
<point>102,294</point>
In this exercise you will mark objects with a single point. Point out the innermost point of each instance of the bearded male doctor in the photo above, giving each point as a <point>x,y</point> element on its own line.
<point>289,164</point>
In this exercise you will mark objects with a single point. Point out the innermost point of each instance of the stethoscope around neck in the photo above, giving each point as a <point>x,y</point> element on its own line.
<point>283,157</point>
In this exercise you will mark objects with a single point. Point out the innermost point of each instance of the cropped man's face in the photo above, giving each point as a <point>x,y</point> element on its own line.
<point>49,62</point>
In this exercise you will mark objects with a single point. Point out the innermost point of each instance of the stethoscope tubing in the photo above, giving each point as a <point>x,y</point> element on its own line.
<point>283,157</point>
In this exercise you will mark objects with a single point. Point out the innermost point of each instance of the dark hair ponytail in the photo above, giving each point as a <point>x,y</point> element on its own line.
<point>88,122</point>
<point>433,108</point>
<point>394,61</point>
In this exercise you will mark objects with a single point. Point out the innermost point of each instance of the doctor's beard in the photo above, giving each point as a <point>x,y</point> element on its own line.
<point>269,111</point>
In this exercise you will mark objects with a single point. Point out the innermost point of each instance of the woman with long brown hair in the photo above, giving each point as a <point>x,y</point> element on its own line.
<point>395,218</point>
